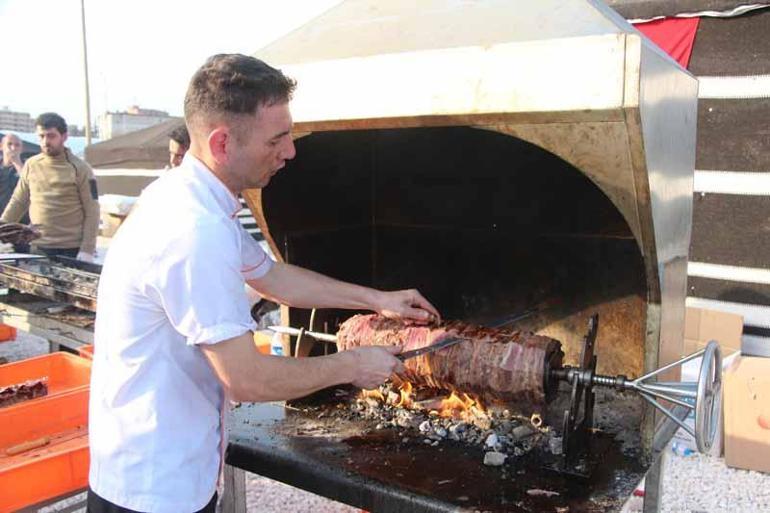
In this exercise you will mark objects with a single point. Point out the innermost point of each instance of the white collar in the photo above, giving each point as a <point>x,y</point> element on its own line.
<point>224,197</point>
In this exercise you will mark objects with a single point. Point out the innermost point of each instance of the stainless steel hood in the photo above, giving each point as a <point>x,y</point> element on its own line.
<point>569,76</point>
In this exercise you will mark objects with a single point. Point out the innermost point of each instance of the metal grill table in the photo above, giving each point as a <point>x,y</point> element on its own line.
<point>378,472</point>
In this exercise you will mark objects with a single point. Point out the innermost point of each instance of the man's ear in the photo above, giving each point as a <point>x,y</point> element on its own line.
<point>219,144</point>
<point>64,137</point>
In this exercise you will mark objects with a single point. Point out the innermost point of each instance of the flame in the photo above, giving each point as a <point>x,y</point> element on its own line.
<point>405,392</point>
<point>461,405</point>
<point>373,393</point>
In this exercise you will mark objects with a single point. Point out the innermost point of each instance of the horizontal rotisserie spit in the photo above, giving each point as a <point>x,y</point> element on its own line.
<point>499,365</point>
<point>511,366</point>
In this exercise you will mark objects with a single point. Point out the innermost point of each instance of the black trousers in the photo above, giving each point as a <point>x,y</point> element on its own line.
<point>96,504</point>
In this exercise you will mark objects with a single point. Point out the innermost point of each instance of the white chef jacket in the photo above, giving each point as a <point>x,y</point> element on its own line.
<point>173,278</point>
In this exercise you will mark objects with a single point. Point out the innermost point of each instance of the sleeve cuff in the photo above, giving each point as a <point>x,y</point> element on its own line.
<point>220,332</point>
<point>254,272</point>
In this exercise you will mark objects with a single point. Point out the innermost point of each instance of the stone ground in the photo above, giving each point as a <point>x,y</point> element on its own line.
<point>691,484</point>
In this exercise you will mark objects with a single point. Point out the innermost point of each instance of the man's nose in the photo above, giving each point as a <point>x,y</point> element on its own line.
<point>290,152</point>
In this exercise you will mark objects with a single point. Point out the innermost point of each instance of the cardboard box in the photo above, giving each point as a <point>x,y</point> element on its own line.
<point>110,223</point>
<point>701,326</point>
<point>747,413</point>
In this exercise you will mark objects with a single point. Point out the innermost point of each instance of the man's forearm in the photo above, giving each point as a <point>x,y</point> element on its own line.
<point>251,377</point>
<point>13,212</point>
<point>90,231</point>
<point>302,288</point>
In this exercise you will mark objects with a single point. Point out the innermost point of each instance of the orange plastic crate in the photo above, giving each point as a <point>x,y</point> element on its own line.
<point>64,371</point>
<point>87,351</point>
<point>60,466</point>
<point>7,333</point>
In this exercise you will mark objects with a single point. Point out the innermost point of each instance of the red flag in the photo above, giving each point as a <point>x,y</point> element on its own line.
<point>675,36</point>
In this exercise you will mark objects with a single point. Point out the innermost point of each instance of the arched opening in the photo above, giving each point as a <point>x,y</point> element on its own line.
<point>486,225</point>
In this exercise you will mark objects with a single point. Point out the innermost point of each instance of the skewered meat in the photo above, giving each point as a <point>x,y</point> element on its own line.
<point>15,233</point>
<point>25,391</point>
<point>498,365</point>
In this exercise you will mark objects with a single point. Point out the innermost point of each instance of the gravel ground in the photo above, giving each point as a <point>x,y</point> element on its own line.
<point>691,484</point>
<point>268,496</point>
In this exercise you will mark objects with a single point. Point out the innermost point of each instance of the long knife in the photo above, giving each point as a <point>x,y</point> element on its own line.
<point>438,346</point>
<point>327,337</point>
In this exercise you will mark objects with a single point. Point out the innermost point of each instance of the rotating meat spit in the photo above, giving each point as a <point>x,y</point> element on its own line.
<point>701,396</point>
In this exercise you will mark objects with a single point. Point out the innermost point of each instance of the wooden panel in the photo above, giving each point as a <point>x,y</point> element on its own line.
<point>731,230</point>
<point>734,135</point>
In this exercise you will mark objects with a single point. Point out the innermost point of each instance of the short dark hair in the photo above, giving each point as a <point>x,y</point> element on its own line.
<point>181,136</point>
<point>52,120</point>
<point>235,84</point>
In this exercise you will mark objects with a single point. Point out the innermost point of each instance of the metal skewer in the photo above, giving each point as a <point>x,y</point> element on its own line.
<point>286,330</point>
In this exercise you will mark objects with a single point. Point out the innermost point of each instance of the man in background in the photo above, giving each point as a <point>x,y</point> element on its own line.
<point>59,191</point>
<point>178,144</point>
<point>11,167</point>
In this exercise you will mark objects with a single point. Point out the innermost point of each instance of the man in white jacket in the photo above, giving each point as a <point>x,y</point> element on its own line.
<point>173,326</point>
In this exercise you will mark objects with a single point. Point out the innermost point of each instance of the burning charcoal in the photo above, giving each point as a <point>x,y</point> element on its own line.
<point>393,397</point>
<point>494,459</point>
<point>522,432</point>
<point>380,426</point>
<point>402,421</point>
<point>491,441</point>
<point>427,441</point>
<point>441,432</point>
<point>506,414</point>
<point>431,404</point>
<point>425,427</point>
<point>482,421</point>
<point>536,492</point>
<point>434,444</point>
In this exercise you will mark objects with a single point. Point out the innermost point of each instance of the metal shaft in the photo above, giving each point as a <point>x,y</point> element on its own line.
<point>286,330</point>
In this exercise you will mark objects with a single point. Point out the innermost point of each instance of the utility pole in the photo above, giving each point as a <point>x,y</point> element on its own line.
<point>85,68</point>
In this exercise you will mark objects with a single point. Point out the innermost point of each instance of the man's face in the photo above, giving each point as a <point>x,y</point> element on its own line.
<point>51,141</point>
<point>176,153</point>
<point>11,148</point>
<point>265,147</point>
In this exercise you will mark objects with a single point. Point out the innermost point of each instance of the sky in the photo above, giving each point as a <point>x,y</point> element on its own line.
<point>140,52</point>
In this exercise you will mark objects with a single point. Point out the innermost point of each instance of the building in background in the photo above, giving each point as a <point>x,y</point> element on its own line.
<point>16,121</point>
<point>112,124</point>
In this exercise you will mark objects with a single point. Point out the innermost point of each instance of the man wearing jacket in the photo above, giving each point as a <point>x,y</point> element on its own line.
<point>59,190</point>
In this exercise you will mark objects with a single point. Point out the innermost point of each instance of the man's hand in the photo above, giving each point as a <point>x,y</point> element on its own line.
<point>374,365</point>
<point>406,304</point>
<point>14,157</point>
<point>85,257</point>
